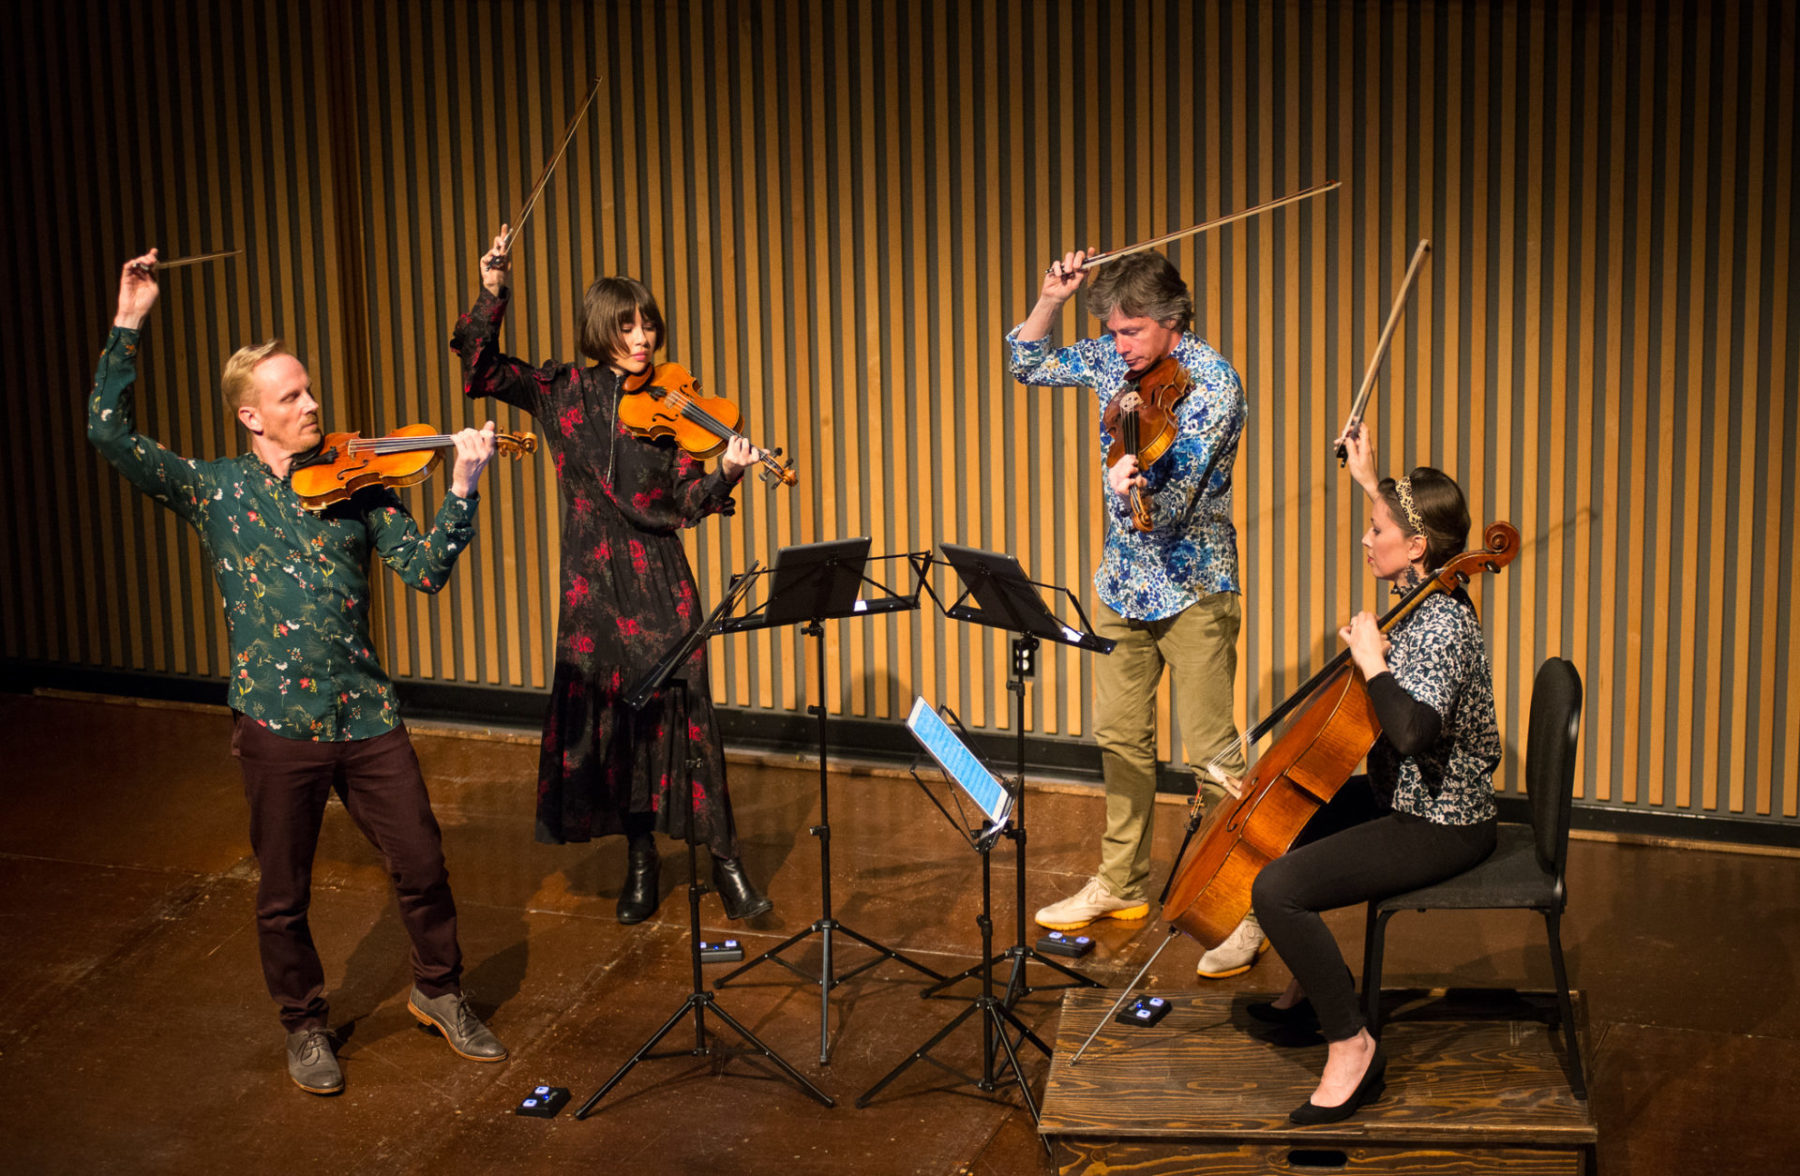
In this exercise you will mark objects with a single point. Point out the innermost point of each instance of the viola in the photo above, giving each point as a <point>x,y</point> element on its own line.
<point>1209,892</point>
<point>348,462</point>
<point>665,401</point>
<point>1141,422</point>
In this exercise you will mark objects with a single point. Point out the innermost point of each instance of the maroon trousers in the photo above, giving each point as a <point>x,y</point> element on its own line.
<point>287,782</point>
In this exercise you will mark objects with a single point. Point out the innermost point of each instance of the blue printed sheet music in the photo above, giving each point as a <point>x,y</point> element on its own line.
<point>959,763</point>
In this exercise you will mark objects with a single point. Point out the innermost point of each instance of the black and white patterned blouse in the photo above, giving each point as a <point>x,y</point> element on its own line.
<point>1440,658</point>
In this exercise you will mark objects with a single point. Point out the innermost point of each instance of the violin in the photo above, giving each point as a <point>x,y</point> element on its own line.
<point>1141,422</point>
<point>665,401</point>
<point>1209,893</point>
<point>348,462</point>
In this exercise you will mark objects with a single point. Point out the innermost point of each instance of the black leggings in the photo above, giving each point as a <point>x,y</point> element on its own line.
<point>1353,851</point>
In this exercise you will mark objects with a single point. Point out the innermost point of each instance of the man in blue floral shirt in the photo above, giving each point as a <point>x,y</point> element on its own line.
<point>313,712</point>
<point>1168,595</point>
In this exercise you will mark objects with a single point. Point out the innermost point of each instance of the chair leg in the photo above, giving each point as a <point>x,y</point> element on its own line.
<point>1565,1006</point>
<point>1374,930</point>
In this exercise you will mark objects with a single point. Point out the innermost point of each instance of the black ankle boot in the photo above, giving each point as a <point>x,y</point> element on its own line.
<point>640,894</point>
<point>736,891</point>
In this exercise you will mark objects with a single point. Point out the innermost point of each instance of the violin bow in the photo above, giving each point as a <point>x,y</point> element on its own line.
<point>1387,335</point>
<point>194,260</point>
<point>544,176</point>
<point>1115,254</point>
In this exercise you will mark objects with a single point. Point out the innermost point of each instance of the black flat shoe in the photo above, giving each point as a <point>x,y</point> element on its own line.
<point>1289,1036</point>
<point>1300,1014</point>
<point>741,898</point>
<point>1373,1082</point>
<point>643,871</point>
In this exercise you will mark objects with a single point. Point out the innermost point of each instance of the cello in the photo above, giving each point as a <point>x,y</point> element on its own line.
<point>1333,728</point>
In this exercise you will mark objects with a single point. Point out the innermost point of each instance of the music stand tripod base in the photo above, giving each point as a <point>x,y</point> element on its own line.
<point>809,584</point>
<point>699,1001</point>
<point>1006,598</point>
<point>998,805</point>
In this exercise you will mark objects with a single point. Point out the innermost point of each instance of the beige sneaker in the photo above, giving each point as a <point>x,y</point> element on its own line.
<point>1236,954</point>
<point>1093,902</point>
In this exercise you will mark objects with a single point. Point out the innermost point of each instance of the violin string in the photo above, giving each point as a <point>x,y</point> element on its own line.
<point>687,408</point>
<point>400,444</point>
<point>404,444</point>
<point>685,405</point>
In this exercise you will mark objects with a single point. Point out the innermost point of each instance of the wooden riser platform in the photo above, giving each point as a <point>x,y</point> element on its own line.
<point>1475,1084</point>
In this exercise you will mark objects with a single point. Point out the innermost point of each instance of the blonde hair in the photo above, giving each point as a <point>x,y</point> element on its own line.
<point>235,382</point>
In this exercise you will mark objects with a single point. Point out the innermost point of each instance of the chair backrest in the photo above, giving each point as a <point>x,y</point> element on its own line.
<point>1550,759</point>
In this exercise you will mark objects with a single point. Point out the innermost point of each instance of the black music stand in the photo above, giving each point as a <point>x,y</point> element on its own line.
<point>810,584</point>
<point>699,1000</point>
<point>999,804</point>
<point>1008,599</point>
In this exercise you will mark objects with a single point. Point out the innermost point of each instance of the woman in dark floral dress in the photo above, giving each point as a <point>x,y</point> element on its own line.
<point>1424,812</point>
<point>627,595</point>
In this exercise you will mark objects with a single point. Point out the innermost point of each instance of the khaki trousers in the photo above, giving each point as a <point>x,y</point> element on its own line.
<point>1199,646</point>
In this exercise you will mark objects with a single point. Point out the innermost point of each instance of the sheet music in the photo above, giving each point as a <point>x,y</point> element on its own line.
<point>958,762</point>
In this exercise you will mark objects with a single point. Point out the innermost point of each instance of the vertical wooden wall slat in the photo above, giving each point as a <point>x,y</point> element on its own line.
<point>1599,350</point>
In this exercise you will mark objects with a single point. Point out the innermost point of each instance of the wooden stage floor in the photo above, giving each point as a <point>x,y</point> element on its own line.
<point>136,1036</point>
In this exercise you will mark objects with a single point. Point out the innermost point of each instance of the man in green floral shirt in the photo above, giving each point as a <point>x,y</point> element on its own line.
<point>313,710</point>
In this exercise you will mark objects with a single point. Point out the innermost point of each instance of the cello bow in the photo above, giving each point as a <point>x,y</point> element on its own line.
<point>1381,347</point>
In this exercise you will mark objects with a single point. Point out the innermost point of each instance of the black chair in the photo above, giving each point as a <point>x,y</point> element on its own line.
<point>1525,871</point>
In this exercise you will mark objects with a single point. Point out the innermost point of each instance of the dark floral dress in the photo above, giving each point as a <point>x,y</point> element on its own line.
<point>628,595</point>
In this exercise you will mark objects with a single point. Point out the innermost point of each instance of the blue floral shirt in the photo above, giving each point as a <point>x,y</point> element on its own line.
<point>1440,657</point>
<point>295,583</point>
<point>1192,552</point>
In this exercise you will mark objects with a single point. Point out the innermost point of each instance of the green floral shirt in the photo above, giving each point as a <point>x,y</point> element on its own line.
<point>295,583</point>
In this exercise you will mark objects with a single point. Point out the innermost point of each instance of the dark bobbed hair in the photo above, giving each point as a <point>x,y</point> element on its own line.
<point>1142,285</point>
<point>608,308</point>
<point>1443,513</point>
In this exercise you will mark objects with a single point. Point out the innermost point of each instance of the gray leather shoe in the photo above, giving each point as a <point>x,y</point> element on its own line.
<point>451,1015</point>
<point>312,1064</point>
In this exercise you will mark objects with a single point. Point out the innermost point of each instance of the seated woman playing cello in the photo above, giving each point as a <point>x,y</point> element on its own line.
<point>1425,811</point>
